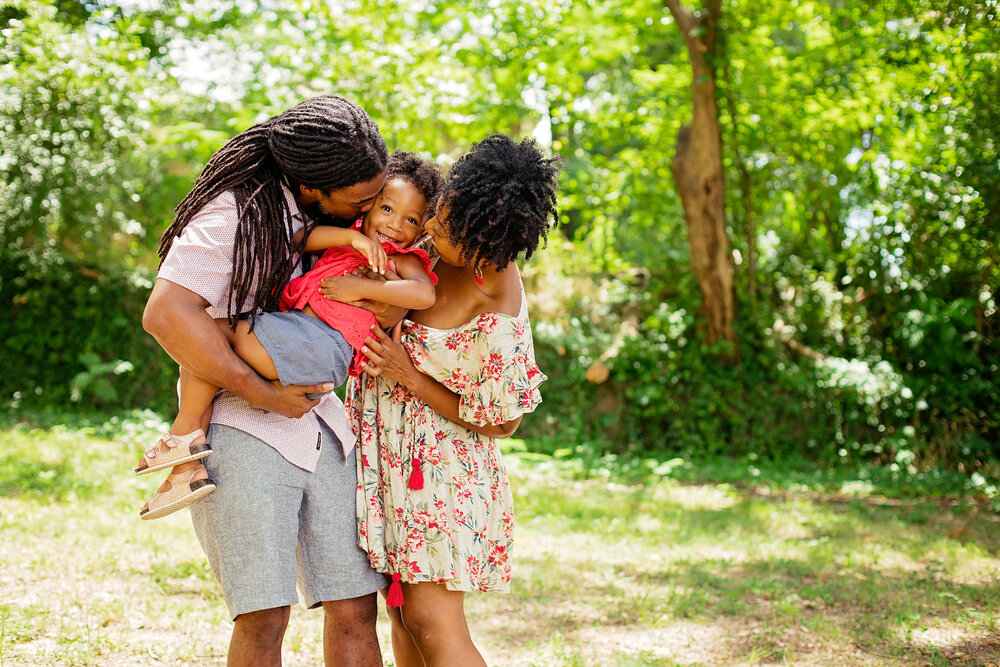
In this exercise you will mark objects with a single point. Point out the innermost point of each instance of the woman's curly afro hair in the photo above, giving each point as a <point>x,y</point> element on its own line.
<point>502,200</point>
<point>421,174</point>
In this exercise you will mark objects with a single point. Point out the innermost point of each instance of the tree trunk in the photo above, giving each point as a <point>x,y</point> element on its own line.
<point>697,168</point>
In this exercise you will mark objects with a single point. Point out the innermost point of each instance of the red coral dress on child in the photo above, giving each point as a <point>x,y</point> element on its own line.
<point>352,322</point>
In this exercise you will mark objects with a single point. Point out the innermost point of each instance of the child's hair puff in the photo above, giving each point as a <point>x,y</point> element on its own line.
<point>422,174</point>
<point>501,197</point>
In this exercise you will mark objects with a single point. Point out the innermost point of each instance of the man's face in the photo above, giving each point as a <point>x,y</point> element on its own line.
<point>340,207</point>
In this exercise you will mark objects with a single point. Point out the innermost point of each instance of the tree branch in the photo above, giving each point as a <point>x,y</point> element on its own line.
<point>685,19</point>
<point>713,10</point>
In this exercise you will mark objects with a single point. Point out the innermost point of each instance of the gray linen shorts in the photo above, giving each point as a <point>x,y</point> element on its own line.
<point>270,524</point>
<point>304,350</point>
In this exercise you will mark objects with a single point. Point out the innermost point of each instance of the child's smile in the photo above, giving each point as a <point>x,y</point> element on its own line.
<point>398,213</point>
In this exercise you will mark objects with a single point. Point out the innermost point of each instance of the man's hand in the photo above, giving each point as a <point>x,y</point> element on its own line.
<point>291,401</point>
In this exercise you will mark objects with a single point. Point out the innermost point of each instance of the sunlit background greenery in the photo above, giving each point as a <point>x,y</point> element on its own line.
<point>862,180</point>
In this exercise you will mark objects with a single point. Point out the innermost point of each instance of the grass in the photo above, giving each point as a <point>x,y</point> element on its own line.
<point>649,564</point>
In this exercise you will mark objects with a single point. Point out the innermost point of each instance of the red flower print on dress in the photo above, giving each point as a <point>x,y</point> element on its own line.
<point>415,541</point>
<point>455,340</point>
<point>461,451</point>
<point>526,399</point>
<point>459,380</point>
<point>493,366</point>
<point>421,517</point>
<point>432,455</point>
<point>399,394</point>
<point>474,568</point>
<point>488,322</point>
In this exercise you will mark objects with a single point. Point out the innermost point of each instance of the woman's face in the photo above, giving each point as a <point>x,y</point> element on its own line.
<point>448,251</point>
<point>397,215</point>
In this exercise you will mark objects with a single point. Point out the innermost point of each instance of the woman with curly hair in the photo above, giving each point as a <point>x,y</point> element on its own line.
<point>434,505</point>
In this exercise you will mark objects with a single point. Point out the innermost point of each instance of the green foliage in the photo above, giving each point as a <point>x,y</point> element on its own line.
<point>72,336</point>
<point>70,127</point>
<point>667,393</point>
<point>862,180</point>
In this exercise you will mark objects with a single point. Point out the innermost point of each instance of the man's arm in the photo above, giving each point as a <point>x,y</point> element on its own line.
<point>176,317</point>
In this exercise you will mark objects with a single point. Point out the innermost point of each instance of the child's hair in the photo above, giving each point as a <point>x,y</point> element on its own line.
<point>425,176</point>
<point>501,195</point>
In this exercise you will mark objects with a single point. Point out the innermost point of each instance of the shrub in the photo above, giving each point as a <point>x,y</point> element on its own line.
<point>72,335</point>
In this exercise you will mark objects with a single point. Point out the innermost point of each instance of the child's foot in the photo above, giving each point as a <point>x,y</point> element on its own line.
<point>171,449</point>
<point>178,491</point>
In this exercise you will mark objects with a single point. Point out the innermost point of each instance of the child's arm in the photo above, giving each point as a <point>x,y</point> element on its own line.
<point>414,289</point>
<point>323,237</point>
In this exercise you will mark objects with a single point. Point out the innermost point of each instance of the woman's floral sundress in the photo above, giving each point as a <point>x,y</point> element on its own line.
<point>458,528</point>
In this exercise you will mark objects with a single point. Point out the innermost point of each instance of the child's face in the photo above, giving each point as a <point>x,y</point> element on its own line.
<point>398,213</point>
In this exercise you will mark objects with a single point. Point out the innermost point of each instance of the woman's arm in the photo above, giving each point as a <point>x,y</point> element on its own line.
<point>414,290</point>
<point>388,358</point>
<point>176,317</point>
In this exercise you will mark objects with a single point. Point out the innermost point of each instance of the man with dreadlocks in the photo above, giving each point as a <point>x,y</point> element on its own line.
<point>284,510</point>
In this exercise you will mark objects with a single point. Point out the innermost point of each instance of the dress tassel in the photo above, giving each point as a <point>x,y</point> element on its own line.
<point>416,476</point>
<point>394,598</point>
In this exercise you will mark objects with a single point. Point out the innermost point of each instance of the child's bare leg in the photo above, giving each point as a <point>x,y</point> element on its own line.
<point>188,481</point>
<point>195,404</point>
<point>248,348</point>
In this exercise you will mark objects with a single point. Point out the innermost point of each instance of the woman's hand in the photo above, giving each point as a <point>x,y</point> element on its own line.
<point>387,357</point>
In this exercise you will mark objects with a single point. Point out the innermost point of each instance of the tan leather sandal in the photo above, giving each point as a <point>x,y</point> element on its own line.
<point>171,449</point>
<point>180,492</point>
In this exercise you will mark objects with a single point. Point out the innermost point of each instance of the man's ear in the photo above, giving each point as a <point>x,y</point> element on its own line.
<point>309,195</point>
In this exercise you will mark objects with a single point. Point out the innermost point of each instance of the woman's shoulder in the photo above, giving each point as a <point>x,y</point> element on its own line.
<point>490,324</point>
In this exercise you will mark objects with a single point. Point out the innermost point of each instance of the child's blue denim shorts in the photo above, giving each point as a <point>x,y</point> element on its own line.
<point>305,350</point>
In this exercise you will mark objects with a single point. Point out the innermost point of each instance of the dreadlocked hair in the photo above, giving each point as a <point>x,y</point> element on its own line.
<point>501,197</point>
<point>326,143</point>
<point>423,175</point>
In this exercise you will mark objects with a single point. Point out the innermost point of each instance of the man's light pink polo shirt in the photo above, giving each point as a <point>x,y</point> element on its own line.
<point>201,260</point>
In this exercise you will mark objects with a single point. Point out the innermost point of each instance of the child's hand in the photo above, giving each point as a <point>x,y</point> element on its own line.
<point>372,251</point>
<point>345,288</point>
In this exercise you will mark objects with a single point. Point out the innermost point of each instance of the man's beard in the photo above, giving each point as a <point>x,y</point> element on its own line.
<point>321,217</point>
